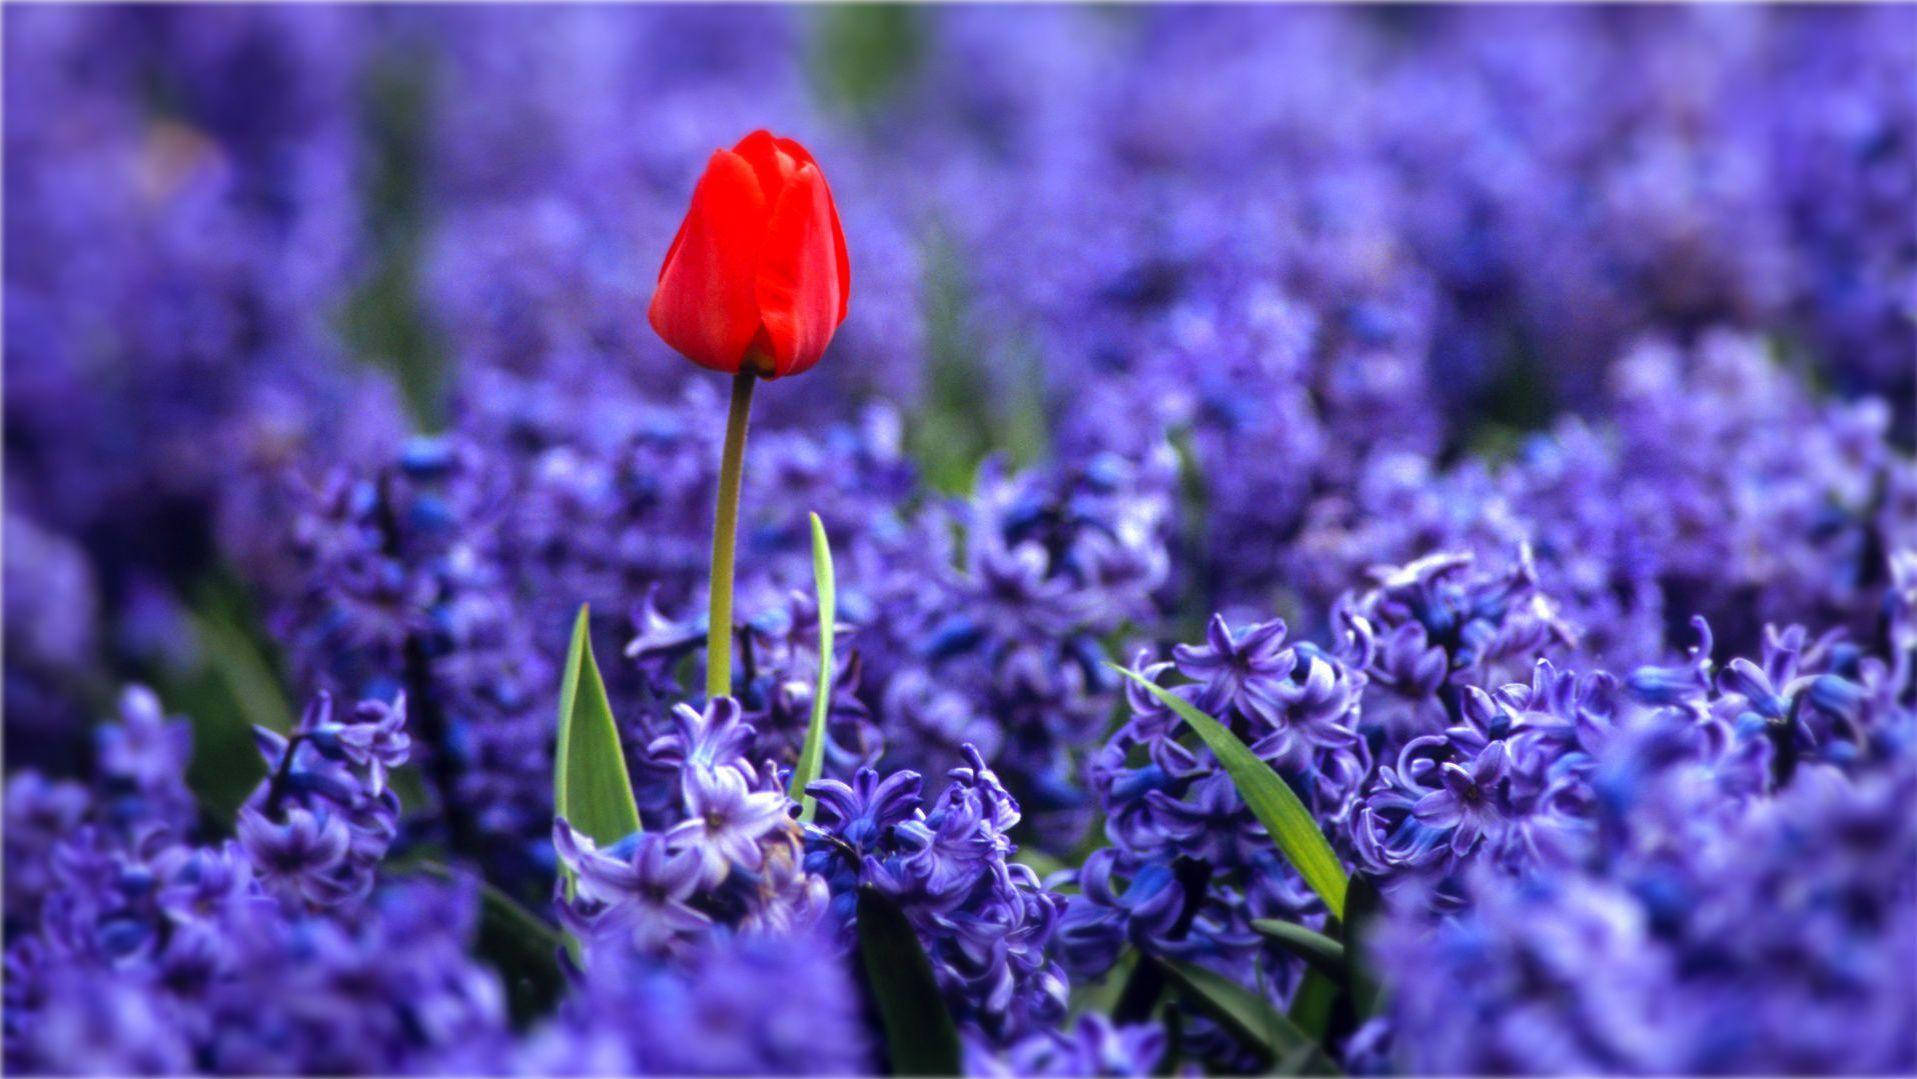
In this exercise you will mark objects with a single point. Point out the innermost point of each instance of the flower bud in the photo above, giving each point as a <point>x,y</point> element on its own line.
<point>757,278</point>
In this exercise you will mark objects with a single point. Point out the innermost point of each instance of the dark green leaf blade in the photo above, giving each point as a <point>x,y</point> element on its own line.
<point>1314,1004</point>
<point>1251,1017</point>
<point>1363,904</point>
<point>812,753</point>
<point>919,1035</point>
<point>1271,799</point>
<point>590,786</point>
<point>1313,947</point>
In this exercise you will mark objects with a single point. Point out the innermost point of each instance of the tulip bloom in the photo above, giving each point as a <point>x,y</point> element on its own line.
<point>754,285</point>
<point>757,280</point>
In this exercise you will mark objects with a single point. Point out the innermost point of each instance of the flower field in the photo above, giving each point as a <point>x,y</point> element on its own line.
<point>989,540</point>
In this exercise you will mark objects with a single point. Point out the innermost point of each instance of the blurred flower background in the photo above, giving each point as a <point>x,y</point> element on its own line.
<point>1514,399</point>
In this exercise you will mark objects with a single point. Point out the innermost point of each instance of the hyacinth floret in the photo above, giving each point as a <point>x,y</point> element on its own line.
<point>721,849</point>
<point>986,922</point>
<point>319,826</point>
<point>154,952</point>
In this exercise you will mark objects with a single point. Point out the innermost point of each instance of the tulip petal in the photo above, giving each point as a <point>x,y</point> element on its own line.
<point>773,160</point>
<point>704,306</point>
<point>844,263</point>
<point>800,290</point>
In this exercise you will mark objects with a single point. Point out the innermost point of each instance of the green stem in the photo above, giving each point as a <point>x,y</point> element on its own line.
<point>725,527</point>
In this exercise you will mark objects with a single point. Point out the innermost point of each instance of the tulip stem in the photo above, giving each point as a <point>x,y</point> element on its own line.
<point>725,527</point>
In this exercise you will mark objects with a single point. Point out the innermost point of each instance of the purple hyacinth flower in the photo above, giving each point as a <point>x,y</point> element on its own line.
<point>374,737</point>
<point>303,851</point>
<point>725,819</point>
<point>1467,803</point>
<point>1234,672</point>
<point>864,811</point>
<point>638,890</point>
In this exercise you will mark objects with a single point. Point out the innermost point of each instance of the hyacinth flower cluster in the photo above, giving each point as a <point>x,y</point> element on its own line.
<point>1732,892</point>
<point>393,585</point>
<point>1514,462</point>
<point>1687,503</point>
<point>1188,866</point>
<point>1664,815</point>
<point>1002,646</point>
<point>188,217</point>
<point>147,946</point>
<point>326,815</point>
<point>739,1005</point>
<point>720,858</point>
<point>1468,794</point>
<point>987,921</point>
<point>1349,265</point>
<point>721,851</point>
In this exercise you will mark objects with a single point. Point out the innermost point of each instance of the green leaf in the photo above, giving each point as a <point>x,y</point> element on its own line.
<point>812,754</point>
<point>1362,906</point>
<point>1271,800</point>
<point>920,1038</point>
<point>520,945</point>
<point>1313,947</point>
<point>233,687</point>
<point>236,658</point>
<point>1314,1003</point>
<point>590,786</point>
<point>1252,1018</point>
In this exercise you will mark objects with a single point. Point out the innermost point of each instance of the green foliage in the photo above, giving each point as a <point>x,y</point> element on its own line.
<point>1363,904</point>
<point>383,320</point>
<point>1271,800</point>
<point>233,687</point>
<point>920,1038</point>
<point>974,403</point>
<point>861,53</point>
<point>812,753</point>
<point>590,786</point>
<point>1314,1005</point>
<point>1313,947</point>
<point>1290,1050</point>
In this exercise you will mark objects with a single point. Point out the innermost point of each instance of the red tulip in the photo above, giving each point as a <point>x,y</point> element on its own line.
<point>757,279</point>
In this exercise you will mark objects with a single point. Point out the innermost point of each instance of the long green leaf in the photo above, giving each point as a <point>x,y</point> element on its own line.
<point>1271,800</point>
<point>1313,1004</point>
<point>238,662</point>
<point>231,689</point>
<point>812,754</point>
<point>1252,1018</point>
<point>1313,947</point>
<point>920,1038</point>
<point>1362,907</point>
<point>590,786</point>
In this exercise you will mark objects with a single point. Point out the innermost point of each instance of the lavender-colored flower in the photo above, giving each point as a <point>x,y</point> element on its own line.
<point>721,849</point>
<point>304,851</point>
<point>985,921</point>
<point>725,822</point>
<point>636,891</point>
<point>39,814</point>
<point>1092,1045</point>
<point>736,1005</point>
<point>324,817</point>
<point>1228,668</point>
<point>139,927</point>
